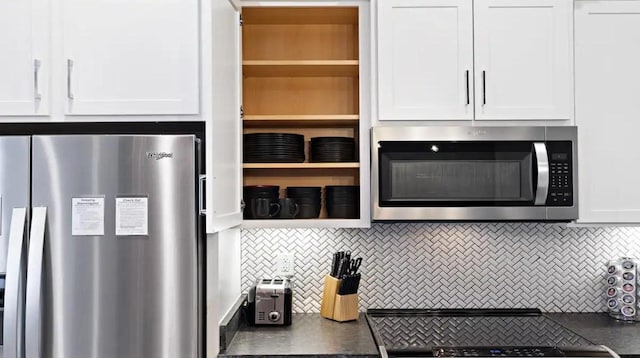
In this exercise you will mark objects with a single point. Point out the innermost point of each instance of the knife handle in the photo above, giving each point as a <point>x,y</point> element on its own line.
<point>344,288</point>
<point>333,265</point>
<point>340,268</point>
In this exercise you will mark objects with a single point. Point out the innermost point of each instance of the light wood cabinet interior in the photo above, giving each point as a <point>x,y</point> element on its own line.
<point>301,75</point>
<point>300,95</point>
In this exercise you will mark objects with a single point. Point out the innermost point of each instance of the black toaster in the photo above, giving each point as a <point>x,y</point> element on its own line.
<point>270,302</point>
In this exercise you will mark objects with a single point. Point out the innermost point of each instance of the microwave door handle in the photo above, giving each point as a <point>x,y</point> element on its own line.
<point>33,316</point>
<point>542,162</point>
<point>14,291</point>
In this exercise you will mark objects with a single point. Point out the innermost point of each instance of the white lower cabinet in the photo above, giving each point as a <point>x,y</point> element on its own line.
<point>607,54</point>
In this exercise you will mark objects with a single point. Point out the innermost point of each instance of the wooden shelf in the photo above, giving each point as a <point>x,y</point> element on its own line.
<point>301,117</point>
<point>300,165</point>
<point>301,120</point>
<point>300,68</point>
<point>299,15</point>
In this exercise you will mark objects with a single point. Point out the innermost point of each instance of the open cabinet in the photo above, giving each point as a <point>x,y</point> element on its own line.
<point>302,74</point>
<point>221,73</point>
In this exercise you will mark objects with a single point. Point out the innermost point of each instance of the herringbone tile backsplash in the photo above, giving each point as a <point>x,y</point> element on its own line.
<point>492,265</point>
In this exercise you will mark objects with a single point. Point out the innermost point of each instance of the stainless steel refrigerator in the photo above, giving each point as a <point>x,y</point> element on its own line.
<point>99,239</point>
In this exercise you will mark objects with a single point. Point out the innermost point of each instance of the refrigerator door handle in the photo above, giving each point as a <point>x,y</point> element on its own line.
<point>14,290</point>
<point>33,324</point>
<point>201,197</point>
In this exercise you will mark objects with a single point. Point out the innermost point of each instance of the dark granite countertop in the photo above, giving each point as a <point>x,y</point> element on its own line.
<point>313,336</point>
<point>599,328</point>
<point>309,335</point>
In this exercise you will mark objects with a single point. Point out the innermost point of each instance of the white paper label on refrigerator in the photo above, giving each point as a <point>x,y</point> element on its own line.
<point>132,216</point>
<point>87,216</point>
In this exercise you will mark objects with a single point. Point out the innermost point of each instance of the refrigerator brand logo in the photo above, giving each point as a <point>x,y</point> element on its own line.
<point>159,155</point>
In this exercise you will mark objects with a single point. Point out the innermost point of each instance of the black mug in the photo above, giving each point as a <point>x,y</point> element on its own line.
<point>263,208</point>
<point>288,208</point>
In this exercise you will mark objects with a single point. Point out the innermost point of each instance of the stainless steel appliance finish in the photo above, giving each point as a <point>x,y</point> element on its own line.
<point>537,210</point>
<point>270,302</point>
<point>101,293</point>
<point>14,185</point>
<point>14,193</point>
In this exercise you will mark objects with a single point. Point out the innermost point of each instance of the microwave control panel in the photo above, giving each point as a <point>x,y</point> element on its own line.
<point>560,174</point>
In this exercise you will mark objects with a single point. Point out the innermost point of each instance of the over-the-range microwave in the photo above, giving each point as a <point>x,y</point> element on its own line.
<point>474,173</point>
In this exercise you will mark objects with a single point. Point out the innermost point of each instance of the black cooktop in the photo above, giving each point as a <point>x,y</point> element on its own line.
<point>427,330</point>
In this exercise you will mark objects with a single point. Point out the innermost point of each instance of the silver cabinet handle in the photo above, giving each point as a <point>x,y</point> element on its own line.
<point>36,75</point>
<point>69,69</point>
<point>467,74</point>
<point>33,315</point>
<point>14,291</point>
<point>201,199</point>
<point>542,160</point>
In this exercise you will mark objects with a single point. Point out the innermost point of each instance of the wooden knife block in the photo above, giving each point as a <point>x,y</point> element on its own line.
<point>337,307</point>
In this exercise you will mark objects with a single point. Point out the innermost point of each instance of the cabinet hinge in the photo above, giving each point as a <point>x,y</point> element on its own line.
<point>241,20</point>
<point>241,112</point>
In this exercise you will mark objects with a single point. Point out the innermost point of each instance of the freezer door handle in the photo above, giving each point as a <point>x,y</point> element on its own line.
<point>33,316</point>
<point>14,286</point>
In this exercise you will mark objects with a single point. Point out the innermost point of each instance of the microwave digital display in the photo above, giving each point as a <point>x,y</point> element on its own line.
<point>559,156</point>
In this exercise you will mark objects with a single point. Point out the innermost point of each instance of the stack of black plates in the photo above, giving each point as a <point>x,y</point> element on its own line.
<point>251,194</point>
<point>309,200</point>
<point>333,149</point>
<point>273,148</point>
<point>343,201</point>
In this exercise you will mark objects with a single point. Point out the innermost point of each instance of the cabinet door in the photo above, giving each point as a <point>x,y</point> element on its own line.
<point>24,57</point>
<point>131,57</point>
<point>523,59</point>
<point>607,51</point>
<point>224,127</point>
<point>425,59</point>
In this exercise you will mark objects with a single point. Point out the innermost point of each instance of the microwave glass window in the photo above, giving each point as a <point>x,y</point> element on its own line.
<point>464,173</point>
<point>467,180</point>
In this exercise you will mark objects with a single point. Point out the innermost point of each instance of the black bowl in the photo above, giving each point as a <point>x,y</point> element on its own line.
<point>342,188</point>
<point>343,211</point>
<point>303,190</point>
<point>308,211</point>
<point>261,191</point>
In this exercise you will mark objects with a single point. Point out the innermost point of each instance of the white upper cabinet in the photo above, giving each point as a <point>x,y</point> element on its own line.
<point>24,57</point>
<point>607,54</point>
<point>131,57</point>
<point>224,126</point>
<point>523,59</point>
<point>516,53</point>
<point>425,59</point>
